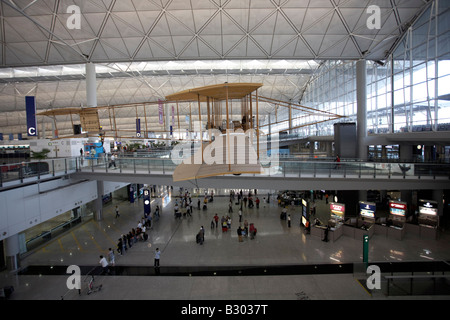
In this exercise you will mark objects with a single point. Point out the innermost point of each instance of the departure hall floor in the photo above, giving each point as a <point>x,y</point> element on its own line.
<point>218,269</point>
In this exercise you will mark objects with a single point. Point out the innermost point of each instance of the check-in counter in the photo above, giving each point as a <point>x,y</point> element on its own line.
<point>334,233</point>
<point>381,229</point>
<point>367,229</point>
<point>358,228</point>
<point>412,229</point>
<point>428,232</point>
<point>396,232</point>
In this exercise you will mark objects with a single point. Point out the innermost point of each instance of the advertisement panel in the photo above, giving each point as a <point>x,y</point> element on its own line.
<point>337,209</point>
<point>367,209</point>
<point>160,112</point>
<point>428,207</point>
<point>397,208</point>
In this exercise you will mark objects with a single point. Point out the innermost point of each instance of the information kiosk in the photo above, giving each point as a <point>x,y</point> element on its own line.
<point>428,218</point>
<point>334,225</point>
<point>337,214</point>
<point>397,219</point>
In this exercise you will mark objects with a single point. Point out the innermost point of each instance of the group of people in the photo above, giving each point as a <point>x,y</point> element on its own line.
<point>129,239</point>
<point>243,199</point>
<point>242,231</point>
<point>136,234</point>
<point>105,264</point>
<point>185,205</point>
<point>245,231</point>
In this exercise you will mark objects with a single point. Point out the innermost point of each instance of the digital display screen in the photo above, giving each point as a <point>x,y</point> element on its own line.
<point>304,208</point>
<point>367,209</point>
<point>397,208</point>
<point>428,207</point>
<point>304,221</point>
<point>337,209</point>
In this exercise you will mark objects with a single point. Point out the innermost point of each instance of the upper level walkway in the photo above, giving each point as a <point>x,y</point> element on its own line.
<point>286,174</point>
<point>289,173</point>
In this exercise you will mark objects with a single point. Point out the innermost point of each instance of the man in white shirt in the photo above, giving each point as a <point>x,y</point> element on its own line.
<point>104,265</point>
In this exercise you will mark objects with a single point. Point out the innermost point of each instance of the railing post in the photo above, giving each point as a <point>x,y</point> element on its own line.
<point>299,170</point>
<point>39,170</point>
<point>314,166</point>
<point>345,170</point>
<point>374,170</point>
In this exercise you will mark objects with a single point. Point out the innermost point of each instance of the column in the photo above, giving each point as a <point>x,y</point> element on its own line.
<point>98,213</point>
<point>91,86</point>
<point>12,250</point>
<point>361,114</point>
<point>406,153</point>
<point>438,196</point>
<point>407,196</point>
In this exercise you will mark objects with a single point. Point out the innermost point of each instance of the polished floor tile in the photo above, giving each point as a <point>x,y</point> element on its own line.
<point>275,245</point>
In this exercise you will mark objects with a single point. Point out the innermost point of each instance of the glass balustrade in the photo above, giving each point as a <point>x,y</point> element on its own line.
<point>27,171</point>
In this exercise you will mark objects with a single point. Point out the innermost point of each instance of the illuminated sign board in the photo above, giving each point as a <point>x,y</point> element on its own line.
<point>428,207</point>
<point>147,207</point>
<point>367,209</point>
<point>397,208</point>
<point>337,209</point>
<point>30,108</point>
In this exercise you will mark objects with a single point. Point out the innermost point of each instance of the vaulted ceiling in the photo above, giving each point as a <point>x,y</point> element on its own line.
<point>147,49</point>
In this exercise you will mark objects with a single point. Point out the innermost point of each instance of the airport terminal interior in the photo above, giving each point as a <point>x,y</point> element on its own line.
<point>225,150</point>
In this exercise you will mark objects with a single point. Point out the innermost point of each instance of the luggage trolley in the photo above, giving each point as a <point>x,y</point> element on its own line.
<point>91,286</point>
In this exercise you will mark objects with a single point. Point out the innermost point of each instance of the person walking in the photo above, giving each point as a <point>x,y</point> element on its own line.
<point>104,265</point>
<point>239,233</point>
<point>157,257</point>
<point>117,212</point>
<point>111,257</point>
<point>240,215</point>
<point>202,233</point>
<point>289,220</point>
<point>216,219</point>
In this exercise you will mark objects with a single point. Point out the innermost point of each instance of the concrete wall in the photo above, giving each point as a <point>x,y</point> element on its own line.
<point>25,207</point>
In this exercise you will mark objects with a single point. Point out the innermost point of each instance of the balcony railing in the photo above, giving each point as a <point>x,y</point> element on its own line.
<point>12,174</point>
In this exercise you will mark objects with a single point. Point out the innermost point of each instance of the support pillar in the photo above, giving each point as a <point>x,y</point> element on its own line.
<point>361,115</point>
<point>98,213</point>
<point>91,86</point>
<point>12,251</point>
<point>406,153</point>
<point>438,196</point>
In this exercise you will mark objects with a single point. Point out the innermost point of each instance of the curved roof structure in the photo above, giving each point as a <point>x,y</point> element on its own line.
<point>50,32</point>
<point>146,50</point>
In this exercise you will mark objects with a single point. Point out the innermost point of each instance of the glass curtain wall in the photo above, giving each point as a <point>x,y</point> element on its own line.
<point>410,92</point>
